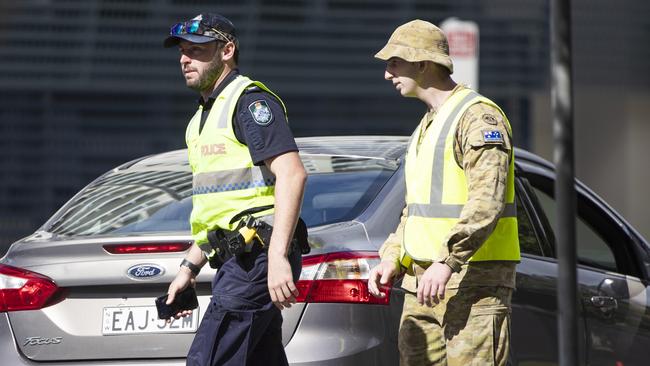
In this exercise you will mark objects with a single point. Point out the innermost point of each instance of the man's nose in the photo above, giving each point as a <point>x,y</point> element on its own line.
<point>387,75</point>
<point>184,59</point>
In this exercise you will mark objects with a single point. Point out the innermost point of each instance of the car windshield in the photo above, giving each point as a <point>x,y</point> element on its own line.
<point>152,199</point>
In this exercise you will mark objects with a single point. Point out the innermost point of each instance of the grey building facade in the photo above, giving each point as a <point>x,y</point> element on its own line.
<point>86,84</point>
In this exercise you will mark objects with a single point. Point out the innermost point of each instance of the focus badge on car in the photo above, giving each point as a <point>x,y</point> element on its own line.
<point>145,271</point>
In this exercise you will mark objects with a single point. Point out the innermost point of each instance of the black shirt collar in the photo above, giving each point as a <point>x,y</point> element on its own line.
<point>227,80</point>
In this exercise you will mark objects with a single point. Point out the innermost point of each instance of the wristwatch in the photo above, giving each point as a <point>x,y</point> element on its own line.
<point>193,267</point>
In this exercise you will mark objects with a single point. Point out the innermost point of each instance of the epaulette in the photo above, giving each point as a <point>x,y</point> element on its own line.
<point>252,89</point>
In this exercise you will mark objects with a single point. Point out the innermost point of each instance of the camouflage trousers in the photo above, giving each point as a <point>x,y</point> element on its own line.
<point>471,326</point>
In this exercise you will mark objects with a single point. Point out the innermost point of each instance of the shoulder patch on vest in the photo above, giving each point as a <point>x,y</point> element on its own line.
<point>492,136</point>
<point>489,119</point>
<point>261,112</point>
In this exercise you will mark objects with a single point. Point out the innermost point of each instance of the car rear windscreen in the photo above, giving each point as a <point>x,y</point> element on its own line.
<point>157,201</point>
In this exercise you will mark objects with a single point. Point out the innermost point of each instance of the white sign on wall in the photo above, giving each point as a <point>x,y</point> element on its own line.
<point>463,38</point>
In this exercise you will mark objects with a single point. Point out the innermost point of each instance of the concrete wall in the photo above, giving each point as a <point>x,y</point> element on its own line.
<point>612,150</point>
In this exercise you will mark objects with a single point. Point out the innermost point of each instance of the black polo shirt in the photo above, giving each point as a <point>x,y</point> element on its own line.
<point>265,137</point>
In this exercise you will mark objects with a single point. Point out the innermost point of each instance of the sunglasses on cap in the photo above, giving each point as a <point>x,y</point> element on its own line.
<point>198,28</point>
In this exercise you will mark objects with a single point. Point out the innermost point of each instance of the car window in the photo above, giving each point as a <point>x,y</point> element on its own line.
<point>129,202</point>
<point>529,243</point>
<point>602,241</point>
<point>340,188</point>
<point>158,201</point>
<point>592,250</point>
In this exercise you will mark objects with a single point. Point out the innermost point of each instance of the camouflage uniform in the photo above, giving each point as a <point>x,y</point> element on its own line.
<point>471,325</point>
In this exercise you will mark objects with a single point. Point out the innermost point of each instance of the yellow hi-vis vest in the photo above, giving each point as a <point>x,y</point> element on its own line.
<point>225,180</point>
<point>436,191</point>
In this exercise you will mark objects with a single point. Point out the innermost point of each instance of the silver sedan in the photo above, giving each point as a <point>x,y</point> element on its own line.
<point>81,289</point>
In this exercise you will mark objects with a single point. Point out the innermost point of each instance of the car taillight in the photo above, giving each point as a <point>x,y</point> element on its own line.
<point>339,277</point>
<point>21,289</point>
<point>147,248</point>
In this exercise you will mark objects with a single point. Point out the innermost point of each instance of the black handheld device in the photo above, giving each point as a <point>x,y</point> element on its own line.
<point>184,300</point>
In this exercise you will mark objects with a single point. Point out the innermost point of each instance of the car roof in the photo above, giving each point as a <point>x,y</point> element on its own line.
<point>523,156</point>
<point>381,147</point>
<point>375,147</point>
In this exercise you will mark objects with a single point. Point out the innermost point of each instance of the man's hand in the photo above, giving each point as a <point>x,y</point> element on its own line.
<point>183,279</point>
<point>280,280</point>
<point>431,287</point>
<point>381,275</point>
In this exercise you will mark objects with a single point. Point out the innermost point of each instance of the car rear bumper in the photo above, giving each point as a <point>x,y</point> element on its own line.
<point>328,334</point>
<point>10,355</point>
<point>345,334</point>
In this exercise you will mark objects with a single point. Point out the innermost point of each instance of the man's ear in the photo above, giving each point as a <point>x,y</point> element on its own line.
<point>228,52</point>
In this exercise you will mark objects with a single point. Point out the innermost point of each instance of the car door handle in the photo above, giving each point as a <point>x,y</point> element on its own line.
<point>606,304</point>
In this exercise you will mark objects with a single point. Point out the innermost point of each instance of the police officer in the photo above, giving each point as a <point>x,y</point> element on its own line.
<point>244,161</point>
<point>457,239</point>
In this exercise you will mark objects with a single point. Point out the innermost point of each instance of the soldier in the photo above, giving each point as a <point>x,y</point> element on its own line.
<point>457,239</point>
<point>247,172</point>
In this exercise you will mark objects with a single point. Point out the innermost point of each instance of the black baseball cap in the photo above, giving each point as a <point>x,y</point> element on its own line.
<point>203,28</point>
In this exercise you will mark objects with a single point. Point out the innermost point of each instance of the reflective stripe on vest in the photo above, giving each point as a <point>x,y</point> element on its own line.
<point>225,181</point>
<point>231,180</point>
<point>435,205</point>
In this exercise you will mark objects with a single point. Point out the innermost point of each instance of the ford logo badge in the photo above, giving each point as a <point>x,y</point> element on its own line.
<point>145,271</point>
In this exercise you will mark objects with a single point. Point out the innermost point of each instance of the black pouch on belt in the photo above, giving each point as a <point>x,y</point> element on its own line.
<point>226,245</point>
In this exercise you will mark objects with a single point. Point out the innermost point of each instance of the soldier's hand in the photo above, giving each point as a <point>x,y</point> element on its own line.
<point>280,281</point>
<point>381,275</point>
<point>431,287</point>
<point>183,279</point>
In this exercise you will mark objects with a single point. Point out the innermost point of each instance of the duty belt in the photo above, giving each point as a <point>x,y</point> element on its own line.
<point>249,234</point>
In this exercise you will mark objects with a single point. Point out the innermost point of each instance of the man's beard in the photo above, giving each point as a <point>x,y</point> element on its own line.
<point>208,77</point>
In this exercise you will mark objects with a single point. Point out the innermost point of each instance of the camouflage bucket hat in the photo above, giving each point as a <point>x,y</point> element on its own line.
<point>417,41</point>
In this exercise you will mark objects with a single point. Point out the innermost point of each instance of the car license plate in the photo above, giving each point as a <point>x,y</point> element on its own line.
<point>144,319</point>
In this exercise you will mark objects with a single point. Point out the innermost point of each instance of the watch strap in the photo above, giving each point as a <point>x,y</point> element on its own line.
<point>193,267</point>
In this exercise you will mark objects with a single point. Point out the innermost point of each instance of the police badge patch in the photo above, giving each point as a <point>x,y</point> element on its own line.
<point>261,112</point>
